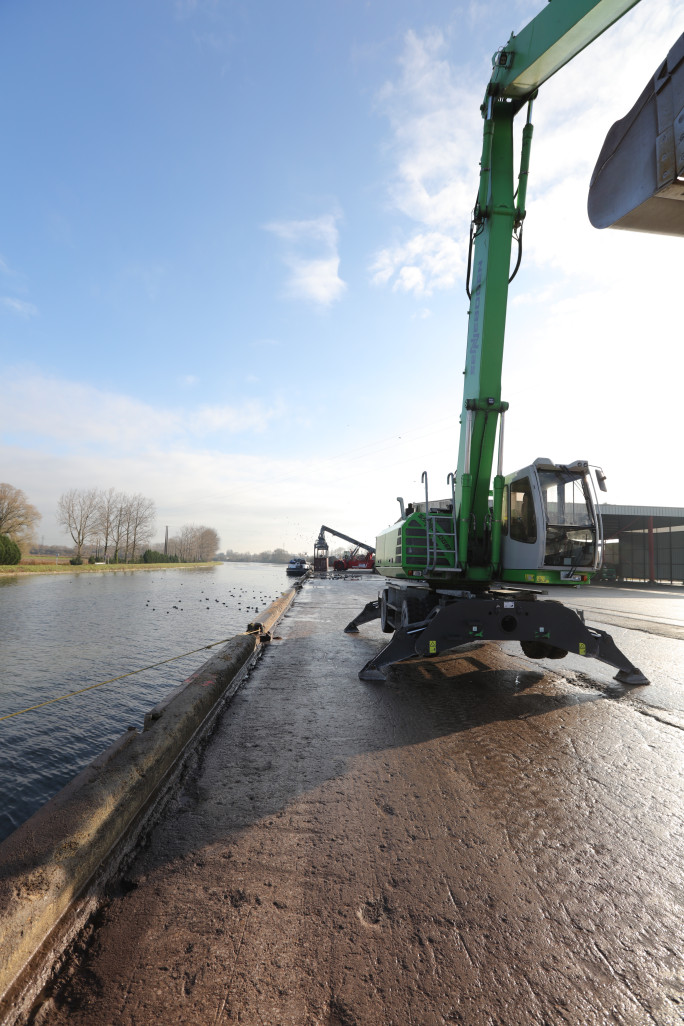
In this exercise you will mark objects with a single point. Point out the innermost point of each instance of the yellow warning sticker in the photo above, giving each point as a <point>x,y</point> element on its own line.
<point>582,648</point>
<point>433,648</point>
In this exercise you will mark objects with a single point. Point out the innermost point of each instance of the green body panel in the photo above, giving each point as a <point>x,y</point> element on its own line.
<point>389,553</point>
<point>401,550</point>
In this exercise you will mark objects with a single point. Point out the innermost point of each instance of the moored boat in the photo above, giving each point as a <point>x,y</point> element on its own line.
<point>297,567</point>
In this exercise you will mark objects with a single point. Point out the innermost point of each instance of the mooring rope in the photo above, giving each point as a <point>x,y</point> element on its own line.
<point>131,673</point>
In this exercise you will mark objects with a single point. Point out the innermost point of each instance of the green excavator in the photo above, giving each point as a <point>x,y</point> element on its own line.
<point>475,566</point>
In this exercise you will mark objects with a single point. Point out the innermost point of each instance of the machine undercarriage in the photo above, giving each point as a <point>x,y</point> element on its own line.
<point>545,628</point>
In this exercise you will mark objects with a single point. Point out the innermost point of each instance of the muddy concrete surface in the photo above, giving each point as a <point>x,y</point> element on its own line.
<point>480,840</point>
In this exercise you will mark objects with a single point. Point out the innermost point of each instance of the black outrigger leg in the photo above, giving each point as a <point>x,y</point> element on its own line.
<point>545,629</point>
<point>371,611</point>
<point>402,646</point>
<point>608,652</point>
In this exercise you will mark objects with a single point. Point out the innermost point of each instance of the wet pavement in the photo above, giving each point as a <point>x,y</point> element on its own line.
<point>480,840</point>
<point>648,625</point>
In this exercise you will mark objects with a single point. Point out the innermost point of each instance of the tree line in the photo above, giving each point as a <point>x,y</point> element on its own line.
<point>116,525</point>
<point>194,544</point>
<point>104,524</point>
<point>117,528</point>
<point>270,556</point>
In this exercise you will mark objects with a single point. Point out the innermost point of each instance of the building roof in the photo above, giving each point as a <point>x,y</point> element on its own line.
<point>617,519</point>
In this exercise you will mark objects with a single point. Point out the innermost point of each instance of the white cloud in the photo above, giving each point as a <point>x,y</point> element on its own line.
<point>19,306</point>
<point>436,132</point>
<point>428,261</point>
<point>248,416</point>
<point>318,280</point>
<point>434,149</point>
<point>67,413</point>
<point>254,503</point>
<point>432,139</point>
<point>321,229</point>
<point>311,256</point>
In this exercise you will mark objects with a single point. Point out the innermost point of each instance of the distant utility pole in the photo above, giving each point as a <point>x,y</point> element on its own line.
<point>166,543</point>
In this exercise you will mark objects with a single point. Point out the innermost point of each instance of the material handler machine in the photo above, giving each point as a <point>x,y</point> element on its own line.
<point>470,567</point>
<point>361,557</point>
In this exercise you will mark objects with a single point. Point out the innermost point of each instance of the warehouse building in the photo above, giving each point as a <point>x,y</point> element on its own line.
<point>644,543</point>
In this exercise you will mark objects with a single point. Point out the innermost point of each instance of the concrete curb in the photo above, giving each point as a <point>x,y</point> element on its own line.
<point>60,858</point>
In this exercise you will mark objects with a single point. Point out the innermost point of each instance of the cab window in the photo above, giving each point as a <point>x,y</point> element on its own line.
<point>523,523</point>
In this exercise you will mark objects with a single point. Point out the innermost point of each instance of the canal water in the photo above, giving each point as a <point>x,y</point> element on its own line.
<point>62,633</point>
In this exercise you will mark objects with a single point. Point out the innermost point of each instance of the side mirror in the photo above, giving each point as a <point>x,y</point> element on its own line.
<point>638,181</point>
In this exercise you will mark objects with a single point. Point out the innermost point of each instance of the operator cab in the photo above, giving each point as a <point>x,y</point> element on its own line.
<point>551,526</point>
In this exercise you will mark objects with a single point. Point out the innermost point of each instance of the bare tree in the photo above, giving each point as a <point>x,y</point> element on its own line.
<point>118,524</point>
<point>108,506</point>
<point>17,516</point>
<point>187,543</point>
<point>142,514</point>
<point>207,543</point>
<point>194,544</point>
<point>174,547</point>
<point>126,520</point>
<point>76,511</point>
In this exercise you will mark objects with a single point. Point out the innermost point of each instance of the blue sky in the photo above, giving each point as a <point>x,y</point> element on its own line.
<point>232,255</point>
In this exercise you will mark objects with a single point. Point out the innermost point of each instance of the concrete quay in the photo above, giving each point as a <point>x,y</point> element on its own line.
<point>55,866</point>
<point>480,840</point>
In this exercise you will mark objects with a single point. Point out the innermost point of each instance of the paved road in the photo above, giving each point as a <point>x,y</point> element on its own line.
<point>648,625</point>
<point>480,840</point>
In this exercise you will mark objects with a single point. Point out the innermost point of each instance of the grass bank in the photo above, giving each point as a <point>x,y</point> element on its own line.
<point>92,568</point>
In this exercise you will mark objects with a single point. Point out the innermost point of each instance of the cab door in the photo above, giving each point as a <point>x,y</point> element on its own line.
<point>523,526</point>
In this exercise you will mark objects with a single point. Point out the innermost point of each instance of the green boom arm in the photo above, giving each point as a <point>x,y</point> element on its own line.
<point>554,37</point>
<point>548,42</point>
